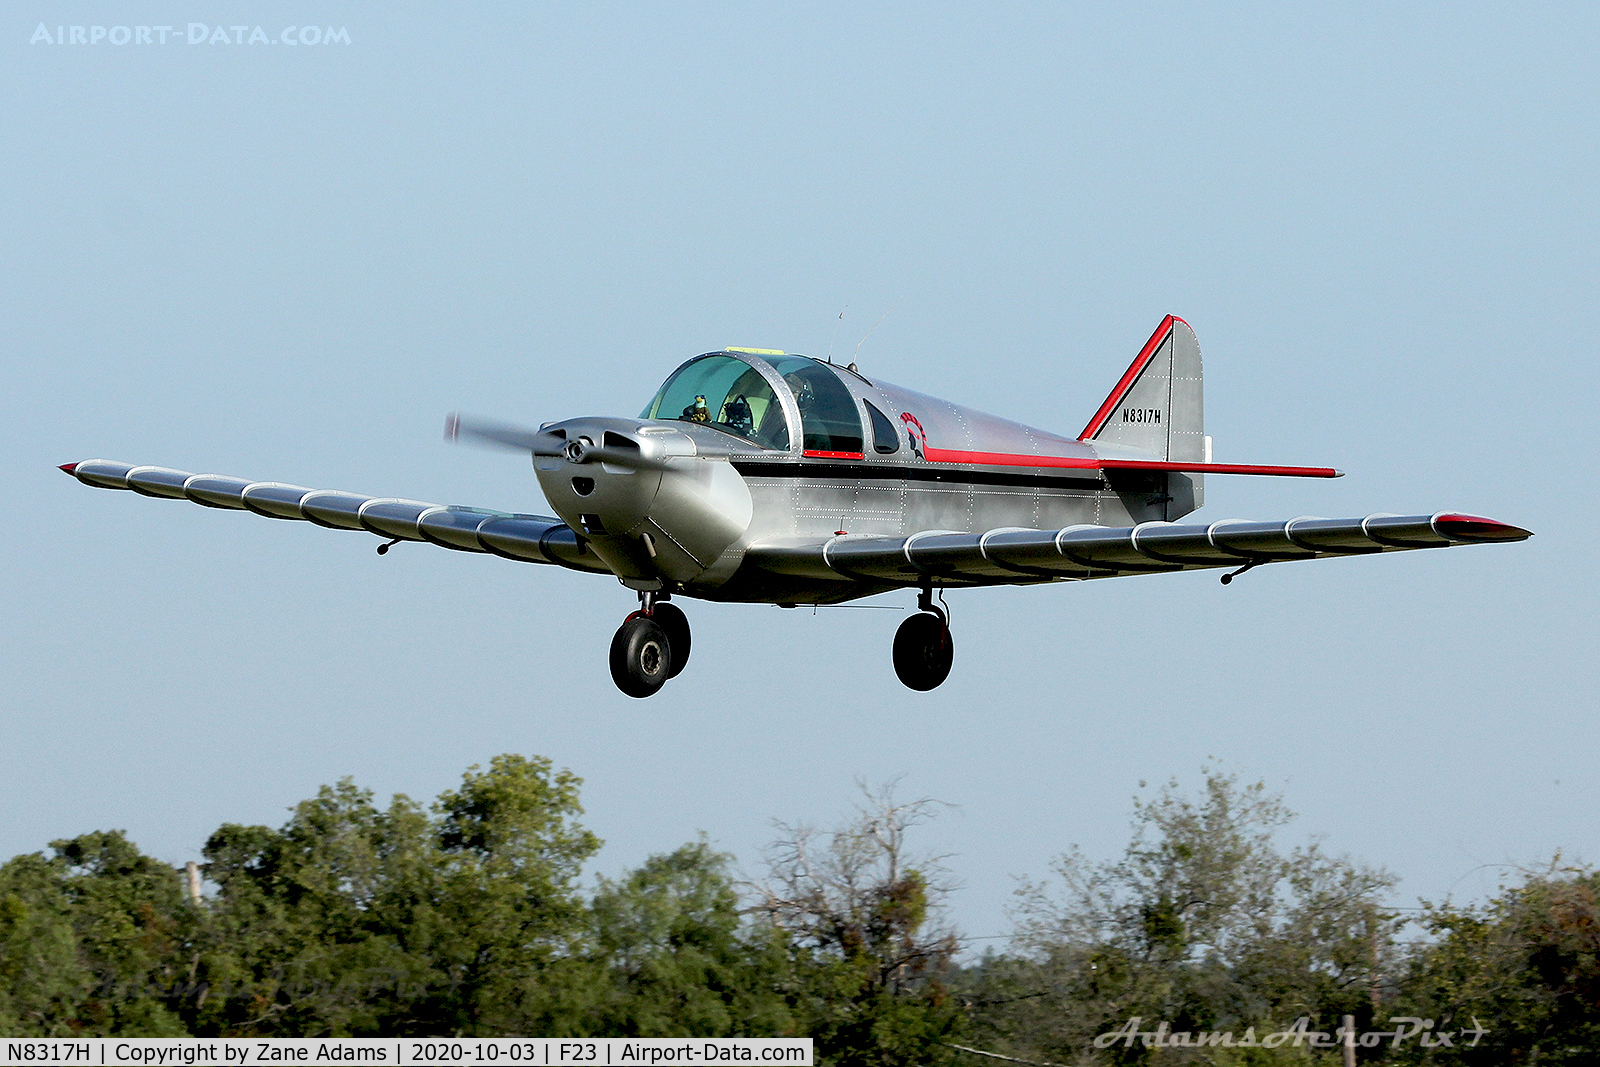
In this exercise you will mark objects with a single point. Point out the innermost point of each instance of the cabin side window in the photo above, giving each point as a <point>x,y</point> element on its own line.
<point>885,438</point>
<point>829,417</point>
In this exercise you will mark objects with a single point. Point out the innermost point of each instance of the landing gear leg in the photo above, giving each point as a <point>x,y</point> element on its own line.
<point>676,625</point>
<point>923,650</point>
<point>650,647</point>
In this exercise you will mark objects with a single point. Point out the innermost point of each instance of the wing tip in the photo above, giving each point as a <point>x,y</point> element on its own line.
<point>1459,527</point>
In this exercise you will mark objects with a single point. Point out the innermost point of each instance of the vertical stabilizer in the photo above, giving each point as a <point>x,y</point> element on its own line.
<point>1157,408</point>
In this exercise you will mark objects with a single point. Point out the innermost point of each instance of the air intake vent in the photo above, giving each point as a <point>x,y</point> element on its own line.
<point>617,440</point>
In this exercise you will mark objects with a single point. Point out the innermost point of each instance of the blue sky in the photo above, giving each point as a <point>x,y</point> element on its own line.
<point>290,262</point>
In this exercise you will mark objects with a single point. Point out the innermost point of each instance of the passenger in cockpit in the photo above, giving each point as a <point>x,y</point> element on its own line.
<point>697,412</point>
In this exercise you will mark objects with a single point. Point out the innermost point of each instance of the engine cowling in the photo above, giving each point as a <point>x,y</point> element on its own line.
<point>650,505</point>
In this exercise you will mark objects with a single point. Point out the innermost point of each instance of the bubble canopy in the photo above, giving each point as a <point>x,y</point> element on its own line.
<point>739,394</point>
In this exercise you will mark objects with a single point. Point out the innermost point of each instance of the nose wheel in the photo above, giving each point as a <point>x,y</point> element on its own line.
<point>923,650</point>
<point>650,647</point>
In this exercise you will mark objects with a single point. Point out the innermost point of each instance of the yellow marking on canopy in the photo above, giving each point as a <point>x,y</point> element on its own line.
<point>757,351</point>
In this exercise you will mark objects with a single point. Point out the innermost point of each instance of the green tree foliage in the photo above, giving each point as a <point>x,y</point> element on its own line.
<point>465,917</point>
<point>90,938</point>
<point>354,920</point>
<point>854,908</point>
<point>1526,965</point>
<point>1204,923</point>
<point>676,959</point>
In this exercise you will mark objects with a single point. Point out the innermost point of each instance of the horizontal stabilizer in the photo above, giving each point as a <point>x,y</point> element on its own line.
<point>1219,468</point>
<point>530,538</point>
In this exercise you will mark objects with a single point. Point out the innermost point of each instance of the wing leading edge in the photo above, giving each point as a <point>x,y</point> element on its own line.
<point>1012,556</point>
<point>530,538</point>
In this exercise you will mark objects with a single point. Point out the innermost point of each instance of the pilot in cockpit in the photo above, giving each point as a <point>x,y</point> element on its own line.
<point>801,388</point>
<point>736,413</point>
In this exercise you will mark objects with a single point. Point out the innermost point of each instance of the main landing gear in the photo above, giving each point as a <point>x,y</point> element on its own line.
<point>923,650</point>
<point>650,647</point>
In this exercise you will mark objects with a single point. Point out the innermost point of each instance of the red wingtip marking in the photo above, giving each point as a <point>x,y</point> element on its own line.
<point>1477,528</point>
<point>68,467</point>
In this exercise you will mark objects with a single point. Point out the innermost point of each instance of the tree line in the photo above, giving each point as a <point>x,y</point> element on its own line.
<point>468,916</point>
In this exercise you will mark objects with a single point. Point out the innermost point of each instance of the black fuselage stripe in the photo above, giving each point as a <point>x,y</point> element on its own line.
<point>944,475</point>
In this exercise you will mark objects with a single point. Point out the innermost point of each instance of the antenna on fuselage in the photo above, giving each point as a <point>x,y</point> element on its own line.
<point>868,334</point>
<point>836,331</point>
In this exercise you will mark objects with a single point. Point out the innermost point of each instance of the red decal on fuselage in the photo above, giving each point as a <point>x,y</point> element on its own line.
<point>919,436</point>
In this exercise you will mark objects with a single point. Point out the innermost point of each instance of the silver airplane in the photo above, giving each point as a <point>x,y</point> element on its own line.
<point>757,476</point>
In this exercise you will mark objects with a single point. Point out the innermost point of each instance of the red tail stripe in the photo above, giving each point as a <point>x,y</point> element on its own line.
<point>1135,369</point>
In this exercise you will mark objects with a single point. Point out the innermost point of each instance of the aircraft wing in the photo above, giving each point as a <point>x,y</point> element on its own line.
<point>1014,556</point>
<point>531,538</point>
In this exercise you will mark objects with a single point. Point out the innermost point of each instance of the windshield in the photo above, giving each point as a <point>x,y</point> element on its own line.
<point>727,394</point>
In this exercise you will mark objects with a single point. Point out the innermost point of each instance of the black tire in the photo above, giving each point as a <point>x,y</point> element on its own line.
<point>923,652</point>
<point>676,624</point>
<point>641,657</point>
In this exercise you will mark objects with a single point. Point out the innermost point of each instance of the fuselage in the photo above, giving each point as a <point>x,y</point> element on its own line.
<point>743,447</point>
